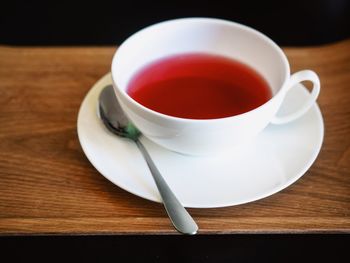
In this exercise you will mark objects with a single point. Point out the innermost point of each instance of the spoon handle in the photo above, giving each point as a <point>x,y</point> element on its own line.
<point>178,215</point>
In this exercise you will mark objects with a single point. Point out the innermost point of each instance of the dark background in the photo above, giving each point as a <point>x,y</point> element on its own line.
<point>308,22</point>
<point>100,22</point>
<point>176,248</point>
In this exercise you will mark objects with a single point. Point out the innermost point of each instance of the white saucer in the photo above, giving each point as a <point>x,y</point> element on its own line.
<point>279,156</point>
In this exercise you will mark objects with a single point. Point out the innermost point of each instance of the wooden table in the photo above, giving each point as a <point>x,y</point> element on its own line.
<point>47,185</point>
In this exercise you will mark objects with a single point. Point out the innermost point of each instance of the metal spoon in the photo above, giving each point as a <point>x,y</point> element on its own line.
<point>116,122</point>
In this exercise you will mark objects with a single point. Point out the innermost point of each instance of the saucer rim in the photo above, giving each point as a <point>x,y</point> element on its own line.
<point>273,190</point>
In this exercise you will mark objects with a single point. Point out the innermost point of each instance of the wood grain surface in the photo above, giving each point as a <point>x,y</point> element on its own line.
<point>47,185</point>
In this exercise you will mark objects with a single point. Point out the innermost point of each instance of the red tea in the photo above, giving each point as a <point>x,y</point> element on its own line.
<point>199,86</point>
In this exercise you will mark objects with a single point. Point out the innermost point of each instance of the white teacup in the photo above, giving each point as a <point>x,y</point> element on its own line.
<point>212,36</point>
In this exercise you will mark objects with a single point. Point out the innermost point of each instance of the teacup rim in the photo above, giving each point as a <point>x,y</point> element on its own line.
<point>212,20</point>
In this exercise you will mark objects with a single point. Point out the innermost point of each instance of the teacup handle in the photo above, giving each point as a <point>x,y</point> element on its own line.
<point>295,79</point>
